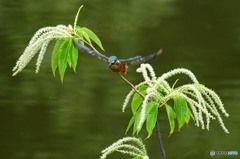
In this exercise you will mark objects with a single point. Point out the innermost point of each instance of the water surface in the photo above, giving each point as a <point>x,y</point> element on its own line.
<point>41,118</point>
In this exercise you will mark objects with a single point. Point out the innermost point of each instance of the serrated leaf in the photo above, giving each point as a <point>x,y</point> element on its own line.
<point>171,116</point>
<point>137,99</point>
<point>130,123</point>
<point>79,32</point>
<point>55,55</point>
<point>149,106</point>
<point>93,36</point>
<point>85,35</point>
<point>73,56</point>
<point>181,109</point>
<point>189,116</point>
<point>137,157</point>
<point>69,61</point>
<point>136,123</point>
<point>62,60</point>
<point>151,117</point>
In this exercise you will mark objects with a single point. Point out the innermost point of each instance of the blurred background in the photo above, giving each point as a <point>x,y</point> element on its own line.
<point>41,118</point>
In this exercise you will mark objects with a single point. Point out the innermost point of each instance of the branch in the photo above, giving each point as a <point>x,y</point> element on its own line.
<point>157,123</point>
<point>80,38</point>
<point>160,141</point>
<point>129,83</point>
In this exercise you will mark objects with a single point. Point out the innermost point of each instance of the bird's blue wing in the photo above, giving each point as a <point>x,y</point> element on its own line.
<point>89,51</point>
<point>139,59</point>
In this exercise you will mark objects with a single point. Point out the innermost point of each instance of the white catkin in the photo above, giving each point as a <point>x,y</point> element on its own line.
<point>130,94</point>
<point>145,67</point>
<point>38,42</point>
<point>222,124</point>
<point>41,31</point>
<point>163,85</point>
<point>130,153</point>
<point>144,73</point>
<point>41,55</point>
<point>178,71</point>
<point>192,87</point>
<point>130,149</point>
<point>61,29</point>
<point>193,104</point>
<point>143,110</point>
<point>201,100</point>
<point>120,141</point>
<point>216,99</point>
<point>76,17</point>
<point>133,148</point>
<point>145,157</point>
<point>195,114</point>
<point>143,113</point>
<point>151,71</point>
<point>209,102</point>
<point>126,100</point>
<point>199,106</point>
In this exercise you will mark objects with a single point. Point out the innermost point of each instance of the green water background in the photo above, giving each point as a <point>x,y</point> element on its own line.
<point>40,118</point>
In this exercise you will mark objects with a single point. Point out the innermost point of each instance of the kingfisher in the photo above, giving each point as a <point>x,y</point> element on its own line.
<point>115,64</point>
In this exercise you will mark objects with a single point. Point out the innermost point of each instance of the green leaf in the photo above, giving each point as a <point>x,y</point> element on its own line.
<point>137,157</point>
<point>69,61</point>
<point>93,36</point>
<point>62,60</point>
<point>130,123</point>
<point>79,32</point>
<point>137,99</point>
<point>136,123</point>
<point>73,56</point>
<point>85,35</point>
<point>181,109</point>
<point>189,116</point>
<point>171,116</point>
<point>55,55</point>
<point>151,117</point>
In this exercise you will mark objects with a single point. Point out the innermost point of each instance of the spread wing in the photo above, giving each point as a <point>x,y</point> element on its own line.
<point>139,59</point>
<point>89,51</point>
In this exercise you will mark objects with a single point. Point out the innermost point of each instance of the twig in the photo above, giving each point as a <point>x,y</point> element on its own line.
<point>157,124</point>
<point>131,85</point>
<point>160,141</point>
<point>80,38</point>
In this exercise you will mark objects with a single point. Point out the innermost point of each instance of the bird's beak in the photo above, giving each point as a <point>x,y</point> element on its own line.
<point>109,65</point>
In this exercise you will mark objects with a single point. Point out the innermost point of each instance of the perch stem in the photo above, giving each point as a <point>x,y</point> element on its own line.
<point>163,154</point>
<point>129,83</point>
<point>160,141</point>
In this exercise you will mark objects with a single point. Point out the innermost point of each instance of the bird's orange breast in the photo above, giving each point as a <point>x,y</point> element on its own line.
<point>122,68</point>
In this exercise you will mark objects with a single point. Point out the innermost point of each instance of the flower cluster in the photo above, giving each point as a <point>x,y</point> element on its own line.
<point>39,43</point>
<point>203,101</point>
<point>128,145</point>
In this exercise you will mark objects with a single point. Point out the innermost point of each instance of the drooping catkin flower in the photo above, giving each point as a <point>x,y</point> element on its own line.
<point>76,17</point>
<point>130,94</point>
<point>203,102</point>
<point>178,71</point>
<point>143,69</point>
<point>127,145</point>
<point>143,110</point>
<point>41,54</point>
<point>39,43</point>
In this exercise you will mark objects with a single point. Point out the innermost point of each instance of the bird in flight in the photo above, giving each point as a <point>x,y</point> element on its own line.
<point>115,64</point>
